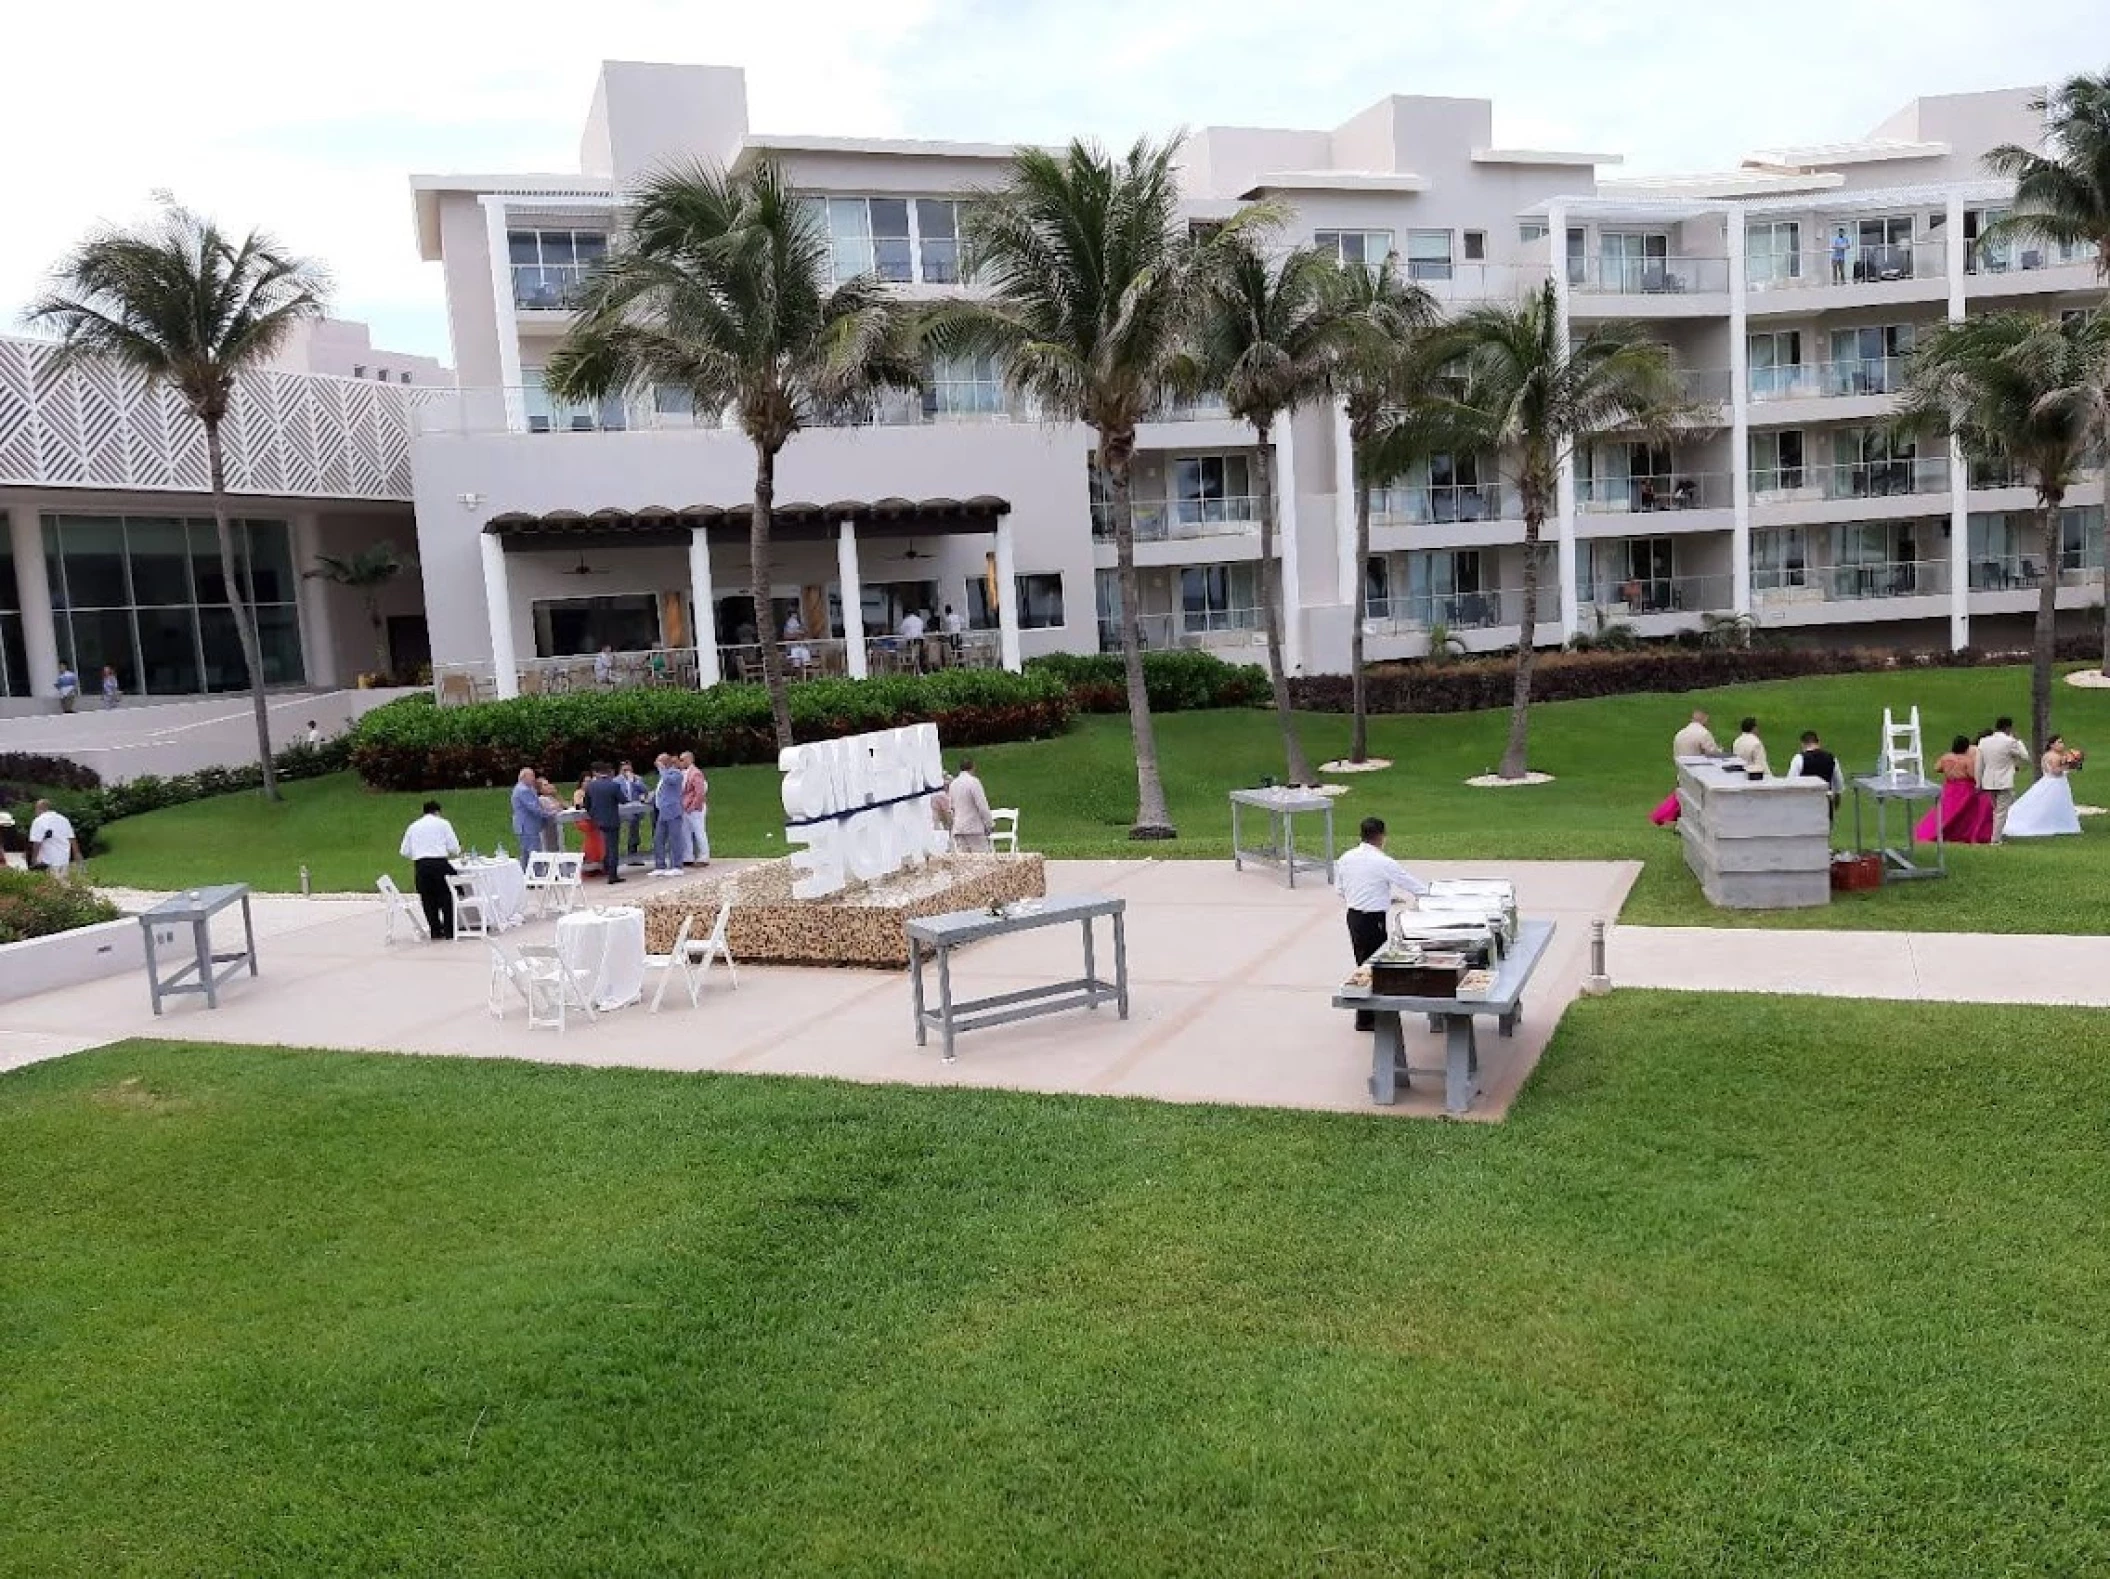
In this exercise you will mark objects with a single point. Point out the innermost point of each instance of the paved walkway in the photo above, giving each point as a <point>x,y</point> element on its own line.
<point>1231,980</point>
<point>1932,967</point>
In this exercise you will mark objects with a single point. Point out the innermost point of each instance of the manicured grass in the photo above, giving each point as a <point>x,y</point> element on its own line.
<point>1611,759</point>
<point>1744,1287</point>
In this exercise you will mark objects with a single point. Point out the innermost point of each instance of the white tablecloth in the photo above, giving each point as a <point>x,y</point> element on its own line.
<point>503,888</point>
<point>608,946</point>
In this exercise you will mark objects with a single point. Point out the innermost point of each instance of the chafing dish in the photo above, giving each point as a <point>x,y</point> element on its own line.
<point>1491,899</point>
<point>1474,938</point>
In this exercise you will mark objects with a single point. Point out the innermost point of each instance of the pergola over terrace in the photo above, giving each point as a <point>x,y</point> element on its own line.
<point>846,521</point>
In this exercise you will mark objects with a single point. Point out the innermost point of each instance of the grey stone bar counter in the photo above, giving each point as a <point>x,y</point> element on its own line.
<point>1754,844</point>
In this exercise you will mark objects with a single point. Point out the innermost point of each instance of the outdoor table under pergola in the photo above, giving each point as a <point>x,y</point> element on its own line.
<point>848,523</point>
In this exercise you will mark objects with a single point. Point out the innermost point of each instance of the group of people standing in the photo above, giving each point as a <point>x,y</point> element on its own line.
<point>676,799</point>
<point>1978,803</point>
<point>1811,761</point>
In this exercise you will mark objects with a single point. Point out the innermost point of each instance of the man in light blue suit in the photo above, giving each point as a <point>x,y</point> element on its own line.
<point>530,821</point>
<point>670,834</point>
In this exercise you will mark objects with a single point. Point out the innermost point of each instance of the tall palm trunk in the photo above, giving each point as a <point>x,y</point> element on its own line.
<point>373,616</point>
<point>1153,820</point>
<point>244,616</point>
<point>1299,768</point>
<point>1359,736</point>
<point>2106,582</point>
<point>2048,503</point>
<point>761,574</point>
<point>1516,756</point>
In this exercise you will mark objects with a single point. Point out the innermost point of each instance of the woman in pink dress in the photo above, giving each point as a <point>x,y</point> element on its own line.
<point>1964,814</point>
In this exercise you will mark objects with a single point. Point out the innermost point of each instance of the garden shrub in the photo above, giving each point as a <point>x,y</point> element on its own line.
<point>22,767</point>
<point>35,905</point>
<point>1177,682</point>
<point>412,744</point>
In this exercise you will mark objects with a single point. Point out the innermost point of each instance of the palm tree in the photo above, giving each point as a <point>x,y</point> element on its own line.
<point>1092,288</point>
<point>2003,386</point>
<point>1520,392</point>
<point>366,573</point>
<point>2062,194</point>
<point>1379,370</point>
<point>723,286</point>
<point>182,302</point>
<point>1270,337</point>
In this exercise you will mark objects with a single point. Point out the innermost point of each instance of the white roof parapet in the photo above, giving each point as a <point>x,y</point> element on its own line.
<point>1542,156</point>
<point>1336,181</point>
<point>1720,184</point>
<point>1876,150</point>
<point>756,144</point>
<point>426,191</point>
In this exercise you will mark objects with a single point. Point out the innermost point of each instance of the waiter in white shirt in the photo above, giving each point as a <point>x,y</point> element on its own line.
<point>52,844</point>
<point>1366,879</point>
<point>429,845</point>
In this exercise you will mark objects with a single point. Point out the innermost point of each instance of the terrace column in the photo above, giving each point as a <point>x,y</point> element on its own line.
<point>1739,418</point>
<point>1959,469</point>
<point>33,583</point>
<point>705,601</point>
<point>1007,595</point>
<point>318,638</point>
<point>498,608</point>
<point>853,596</point>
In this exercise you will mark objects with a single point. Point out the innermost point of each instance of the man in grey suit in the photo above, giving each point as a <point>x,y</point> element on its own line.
<point>1999,754</point>
<point>530,821</point>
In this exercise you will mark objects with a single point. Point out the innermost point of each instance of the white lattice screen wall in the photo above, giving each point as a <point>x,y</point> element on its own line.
<point>291,434</point>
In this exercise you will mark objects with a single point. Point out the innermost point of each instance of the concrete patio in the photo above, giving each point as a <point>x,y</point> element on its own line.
<point>1231,980</point>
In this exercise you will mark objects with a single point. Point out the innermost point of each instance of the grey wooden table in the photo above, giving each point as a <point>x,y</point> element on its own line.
<point>938,936</point>
<point>1282,806</point>
<point>1898,862</point>
<point>1452,1016</point>
<point>195,908</point>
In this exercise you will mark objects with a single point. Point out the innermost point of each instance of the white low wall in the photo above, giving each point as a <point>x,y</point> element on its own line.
<point>66,959</point>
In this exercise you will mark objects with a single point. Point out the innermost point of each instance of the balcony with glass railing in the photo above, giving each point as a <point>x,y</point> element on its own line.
<point>1640,494</point>
<point>529,409</point>
<point>1857,263</point>
<point>1630,597</point>
<point>1191,628</point>
<point>2026,257</point>
<point>1414,612</point>
<point>1884,479</point>
<point>1668,276</point>
<point>1872,375</point>
<point>2025,572</point>
<point>549,287</point>
<point>1162,521</point>
<point>1782,587</point>
<point>1441,504</point>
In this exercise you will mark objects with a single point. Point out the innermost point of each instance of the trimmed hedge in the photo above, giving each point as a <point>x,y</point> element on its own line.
<point>23,767</point>
<point>1471,685</point>
<point>412,744</point>
<point>35,905</point>
<point>1177,682</point>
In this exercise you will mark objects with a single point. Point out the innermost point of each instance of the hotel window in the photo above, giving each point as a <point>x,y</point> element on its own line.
<point>1869,361</point>
<point>1634,261</point>
<point>1454,588</point>
<point>1476,246</point>
<point>1377,588</point>
<point>1776,364</point>
<point>938,239</point>
<point>1220,598</point>
<point>547,414</point>
<point>1776,461</point>
<point>871,236</point>
<point>1773,252</point>
<point>1530,230</point>
<point>1578,255</point>
<point>1211,489</point>
<point>1780,557</point>
<point>963,386</point>
<point>1355,246</point>
<point>1885,248</point>
<point>1039,603</point>
<point>358,370</point>
<point>14,655</point>
<point>550,266</point>
<point>145,595</point>
<point>1428,254</point>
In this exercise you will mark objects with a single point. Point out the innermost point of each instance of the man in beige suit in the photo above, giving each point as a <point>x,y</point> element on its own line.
<point>1695,739</point>
<point>971,821</point>
<point>1999,754</point>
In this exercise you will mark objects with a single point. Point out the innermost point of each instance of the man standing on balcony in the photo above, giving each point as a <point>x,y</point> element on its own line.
<point>604,666</point>
<point>1840,247</point>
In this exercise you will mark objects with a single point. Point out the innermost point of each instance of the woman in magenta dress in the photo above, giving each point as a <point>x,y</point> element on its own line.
<point>1964,814</point>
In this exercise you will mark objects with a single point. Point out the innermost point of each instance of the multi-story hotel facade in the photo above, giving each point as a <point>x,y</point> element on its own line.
<point>1788,291</point>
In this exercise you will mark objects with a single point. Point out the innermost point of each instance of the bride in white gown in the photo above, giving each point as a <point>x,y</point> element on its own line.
<point>2046,807</point>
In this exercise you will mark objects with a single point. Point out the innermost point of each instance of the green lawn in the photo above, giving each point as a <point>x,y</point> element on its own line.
<point>1077,794</point>
<point>1719,1299</point>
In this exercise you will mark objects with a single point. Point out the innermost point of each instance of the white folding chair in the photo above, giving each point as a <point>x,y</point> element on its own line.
<point>1003,829</point>
<point>398,905</point>
<point>508,976</point>
<point>701,951</point>
<point>567,880</point>
<point>541,879</point>
<point>676,959</point>
<point>553,987</point>
<point>472,908</point>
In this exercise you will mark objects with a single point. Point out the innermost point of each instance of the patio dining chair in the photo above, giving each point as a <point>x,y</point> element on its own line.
<point>698,953</point>
<point>542,881</point>
<point>398,907</point>
<point>554,988</point>
<point>674,960</point>
<point>509,978</point>
<point>472,908</point>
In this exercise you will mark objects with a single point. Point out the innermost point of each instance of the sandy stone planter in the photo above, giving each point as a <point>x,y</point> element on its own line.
<point>861,926</point>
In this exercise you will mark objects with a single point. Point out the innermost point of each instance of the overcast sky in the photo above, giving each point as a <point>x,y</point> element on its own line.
<point>308,121</point>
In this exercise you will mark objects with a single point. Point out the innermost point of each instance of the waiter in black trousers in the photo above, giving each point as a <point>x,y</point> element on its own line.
<point>1366,879</point>
<point>430,846</point>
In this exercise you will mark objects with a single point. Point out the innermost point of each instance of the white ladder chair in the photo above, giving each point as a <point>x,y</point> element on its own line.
<point>508,976</point>
<point>567,880</point>
<point>541,879</point>
<point>472,908</point>
<point>675,960</point>
<point>1003,829</point>
<point>553,987</point>
<point>1903,758</point>
<point>397,904</point>
<point>701,951</point>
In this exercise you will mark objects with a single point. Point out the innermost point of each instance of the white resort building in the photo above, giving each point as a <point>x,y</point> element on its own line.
<point>1788,290</point>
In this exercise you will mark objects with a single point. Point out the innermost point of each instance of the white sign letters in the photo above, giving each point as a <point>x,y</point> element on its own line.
<point>860,806</point>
